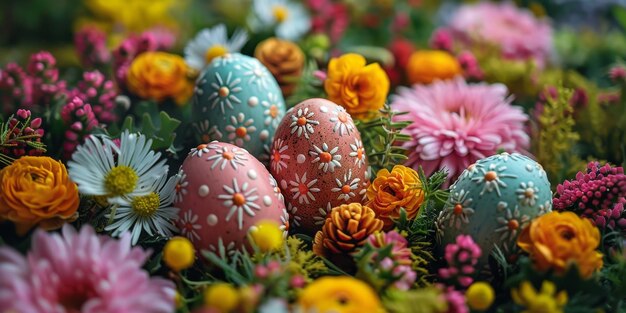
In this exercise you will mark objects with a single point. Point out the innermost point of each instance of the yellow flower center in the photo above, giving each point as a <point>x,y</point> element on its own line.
<point>241,132</point>
<point>179,253</point>
<point>120,180</point>
<point>543,303</point>
<point>214,52</point>
<point>145,206</point>
<point>280,13</point>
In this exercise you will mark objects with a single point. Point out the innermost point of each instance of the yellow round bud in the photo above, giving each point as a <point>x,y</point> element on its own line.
<point>221,296</point>
<point>480,296</point>
<point>267,236</point>
<point>178,253</point>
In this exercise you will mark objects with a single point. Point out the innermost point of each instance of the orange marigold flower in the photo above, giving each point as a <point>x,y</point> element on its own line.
<point>390,191</point>
<point>358,87</point>
<point>427,65</point>
<point>160,75</point>
<point>556,240</point>
<point>37,190</point>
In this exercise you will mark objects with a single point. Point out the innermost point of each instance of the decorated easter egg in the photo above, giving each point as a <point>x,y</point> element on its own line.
<point>237,100</point>
<point>319,161</point>
<point>222,192</point>
<point>493,200</point>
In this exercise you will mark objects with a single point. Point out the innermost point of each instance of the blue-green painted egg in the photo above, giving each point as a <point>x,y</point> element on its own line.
<point>238,101</point>
<point>493,200</point>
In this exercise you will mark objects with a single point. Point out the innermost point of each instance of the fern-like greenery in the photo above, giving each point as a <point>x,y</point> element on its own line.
<point>381,136</point>
<point>7,141</point>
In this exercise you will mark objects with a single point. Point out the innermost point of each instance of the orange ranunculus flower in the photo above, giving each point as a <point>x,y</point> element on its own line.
<point>37,190</point>
<point>556,240</point>
<point>357,87</point>
<point>160,75</point>
<point>390,191</point>
<point>427,65</point>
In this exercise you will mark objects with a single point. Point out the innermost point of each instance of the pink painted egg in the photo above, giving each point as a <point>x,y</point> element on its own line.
<point>319,161</point>
<point>222,192</point>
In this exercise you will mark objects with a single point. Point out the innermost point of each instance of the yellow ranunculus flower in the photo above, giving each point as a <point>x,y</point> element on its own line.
<point>358,87</point>
<point>134,15</point>
<point>390,191</point>
<point>160,75</point>
<point>37,191</point>
<point>556,240</point>
<point>539,301</point>
<point>267,236</point>
<point>427,65</point>
<point>340,294</point>
<point>179,253</point>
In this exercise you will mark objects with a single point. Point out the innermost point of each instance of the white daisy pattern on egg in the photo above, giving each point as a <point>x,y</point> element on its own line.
<point>358,153</point>
<point>303,190</point>
<point>440,227</point>
<point>328,158</point>
<point>347,186</point>
<point>239,199</point>
<point>284,223</point>
<point>199,150</point>
<point>293,213</point>
<point>301,122</point>
<point>278,156</point>
<point>459,213</point>
<point>224,92</point>
<point>189,226</point>
<point>206,132</point>
<point>227,58</point>
<point>276,189</point>
<point>181,185</point>
<point>342,122</point>
<point>323,213</point>
<point>492,178</point>
<point>511,224</point>
<point>223,157</point>
<point>240,129</point>
<point>527,193</point>
<point>272,112</point>
<point>224,251</point>
<point>256,74</point>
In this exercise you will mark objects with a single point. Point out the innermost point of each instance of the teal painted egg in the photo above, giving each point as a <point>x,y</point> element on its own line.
<point>493,200</point>
<point>238,101</point>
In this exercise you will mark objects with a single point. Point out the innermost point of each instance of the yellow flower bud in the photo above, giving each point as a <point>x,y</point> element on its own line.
<point>178,253</point>
<point>221,296</point>
<point>267,236</point>
<point>479,296</point>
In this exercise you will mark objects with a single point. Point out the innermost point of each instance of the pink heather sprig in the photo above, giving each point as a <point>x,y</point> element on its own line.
<point>461,257</point>
<point>329,17</point>
<point>80,121</point>
<point>597,194</point>
<point>91,48</point>
<point>618,73</point>
<point>45,78</point>
<point>470,65</point>
<point>23,136</point>
<point>100,92</point>
<point>400,251</point>
<point>15,88</point>
<point>456,301</point>
<point>442,39</point>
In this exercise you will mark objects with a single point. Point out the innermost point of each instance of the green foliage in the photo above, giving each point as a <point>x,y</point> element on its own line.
<point>302,260</point>
<point>307,87</point>
<point>162,134</point>
<point>555,137</point>
<point>380,137</point>
<point>423,300</point>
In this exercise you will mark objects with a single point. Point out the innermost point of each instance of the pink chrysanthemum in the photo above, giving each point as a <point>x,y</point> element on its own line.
<point>80,272</point>
<point>505,26</point>
<point>455,124</point>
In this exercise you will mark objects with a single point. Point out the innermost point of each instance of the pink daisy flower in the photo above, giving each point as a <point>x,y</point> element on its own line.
<point>455,124</point>
<point>517,32</point>
<point>80,272</point>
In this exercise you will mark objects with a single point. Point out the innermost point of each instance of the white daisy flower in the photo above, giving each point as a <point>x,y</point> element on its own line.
<point>511,224</point>
<point>97,172</point>
<point>152,213</point>
<point>527,193</point>
<point>301,122</point>
<point>224,92</point>
<point>328,158</point>
<point>342,122</point>
<point>278,156</point>
<point>272,113</point>
<point>291,19</point>
<point>189,225</point>
<point>181,185</point>
<point>239,199</point>
<point>240,128</point>
<point>303,189</point>
<point>492,179</point>
<point>358,153</point>
<point>199,150</point>
<point>256,74</point>
<point>206,132</point>
<point>210,43</point>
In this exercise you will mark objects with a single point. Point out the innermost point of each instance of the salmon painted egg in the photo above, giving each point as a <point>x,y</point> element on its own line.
<point>319,161</point>
<point>222,193</point>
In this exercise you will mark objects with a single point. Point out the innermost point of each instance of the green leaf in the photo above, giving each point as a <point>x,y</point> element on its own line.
<point>162,134</point>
